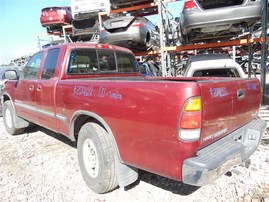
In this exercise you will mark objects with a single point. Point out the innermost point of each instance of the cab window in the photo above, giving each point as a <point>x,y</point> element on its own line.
<point>83,61</point>
<point>91,61</point>
<point>106,59</point>
<point>126,63</point>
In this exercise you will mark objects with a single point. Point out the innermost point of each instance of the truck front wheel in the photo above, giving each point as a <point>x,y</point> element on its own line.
<point>8,118</point>
<point>96,158</point>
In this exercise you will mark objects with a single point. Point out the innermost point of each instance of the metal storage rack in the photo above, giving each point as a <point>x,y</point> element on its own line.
<point>165,52</point>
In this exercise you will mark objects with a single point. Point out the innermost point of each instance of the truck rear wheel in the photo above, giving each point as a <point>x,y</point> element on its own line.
<point>8,118</point>
<point>96,158</point>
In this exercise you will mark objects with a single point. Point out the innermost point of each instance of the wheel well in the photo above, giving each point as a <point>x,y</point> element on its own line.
<point>5,98</point>
<point>81,120</point>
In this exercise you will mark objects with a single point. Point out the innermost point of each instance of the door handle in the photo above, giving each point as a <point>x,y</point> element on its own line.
<point>31,87</point>
<point>39,88</point>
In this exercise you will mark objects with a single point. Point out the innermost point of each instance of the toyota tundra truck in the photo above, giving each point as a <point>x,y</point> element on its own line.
<point>187,129</point>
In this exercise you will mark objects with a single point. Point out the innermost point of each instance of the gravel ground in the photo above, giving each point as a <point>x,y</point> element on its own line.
<point>42,166</point>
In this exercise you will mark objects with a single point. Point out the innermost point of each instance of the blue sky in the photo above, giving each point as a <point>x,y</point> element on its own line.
<point>20,26</point>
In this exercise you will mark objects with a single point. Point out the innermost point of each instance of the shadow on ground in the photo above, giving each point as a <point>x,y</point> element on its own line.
<point>35,128</point>
<point>173,186</point>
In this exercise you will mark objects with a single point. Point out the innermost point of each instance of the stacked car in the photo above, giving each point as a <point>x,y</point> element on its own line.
<point>136,33</point>
<point>85,17</point>
<point>199,21</point>
<point>207,20</point>
<point>53,18</point>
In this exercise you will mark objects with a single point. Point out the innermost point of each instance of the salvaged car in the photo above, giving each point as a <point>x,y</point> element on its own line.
<point>3,69</point>
<point>82,9</point>
<point>136,33</point>
<point>53,18</point>
<point>214,20</point>
<point>85,17</point>
<point>187,129</point>
<point>213,65</point>
<point>84,29</point>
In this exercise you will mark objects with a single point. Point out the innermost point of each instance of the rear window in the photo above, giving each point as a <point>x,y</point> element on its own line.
<point>91,61</point>
<point>210,4</point>
<point>228,72</point>
<point>85,23</point>
<point>126,63</point>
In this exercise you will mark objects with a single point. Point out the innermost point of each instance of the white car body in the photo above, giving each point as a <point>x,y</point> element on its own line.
<point>213,65</point>
<point>80,8</point>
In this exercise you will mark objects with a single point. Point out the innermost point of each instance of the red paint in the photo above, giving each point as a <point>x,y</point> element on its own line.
<point>143,114</point>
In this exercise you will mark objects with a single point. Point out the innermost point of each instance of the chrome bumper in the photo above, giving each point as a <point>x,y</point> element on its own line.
<point>219,157</point>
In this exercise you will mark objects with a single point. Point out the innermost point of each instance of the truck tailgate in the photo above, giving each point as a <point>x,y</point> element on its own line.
<point>227,105</point>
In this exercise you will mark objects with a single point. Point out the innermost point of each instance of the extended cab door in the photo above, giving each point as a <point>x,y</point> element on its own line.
<point>45,90</point>
<point>25,92</point>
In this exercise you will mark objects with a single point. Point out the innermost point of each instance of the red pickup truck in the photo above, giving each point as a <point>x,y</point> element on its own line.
<point>188,129</point>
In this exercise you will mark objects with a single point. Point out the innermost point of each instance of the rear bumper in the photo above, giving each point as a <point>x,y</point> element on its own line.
<point>48,21</point>
<point>217,158</point>
<point>133,34</point>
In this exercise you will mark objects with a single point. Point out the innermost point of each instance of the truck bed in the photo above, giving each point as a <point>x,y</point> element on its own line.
<point>144,118</point>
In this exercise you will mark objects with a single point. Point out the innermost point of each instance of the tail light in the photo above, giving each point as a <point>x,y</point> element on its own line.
<point>190,120</point>
<point>137,24</point>
<point>190,4</point>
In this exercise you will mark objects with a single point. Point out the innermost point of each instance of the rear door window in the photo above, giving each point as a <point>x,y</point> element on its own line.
<point>50,64</point>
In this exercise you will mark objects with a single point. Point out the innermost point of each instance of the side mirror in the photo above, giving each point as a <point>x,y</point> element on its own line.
<point>11,75</point>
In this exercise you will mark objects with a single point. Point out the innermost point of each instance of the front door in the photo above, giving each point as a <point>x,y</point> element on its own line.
<point>25,92</point>
<point>45,95</point>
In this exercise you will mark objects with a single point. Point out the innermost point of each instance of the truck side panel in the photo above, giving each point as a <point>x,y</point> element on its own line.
<point>143,118</point>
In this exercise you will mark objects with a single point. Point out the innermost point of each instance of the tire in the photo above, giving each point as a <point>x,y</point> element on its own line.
<point>184,40</point>
<point>9,117</point>
<point>147,41</point>
<point>96,158</point>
